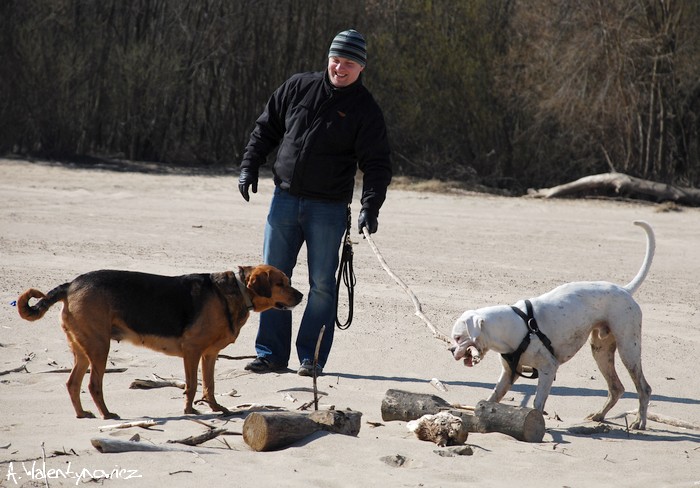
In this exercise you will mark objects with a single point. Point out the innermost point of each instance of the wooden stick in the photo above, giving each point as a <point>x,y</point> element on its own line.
<point>146,424</point>
<point>43,456</point>
<point>662,419</point>
<point>318,347</point>
<point>468,408</point>
<point>419,311</point>
<point>110,445</point>
<point>15,370</point>
<point>250,407</point>
<point>68,370</point>
<point>234,358</point>
<point>256,407</point>
<point>201,438</point>
<point>139,384</point>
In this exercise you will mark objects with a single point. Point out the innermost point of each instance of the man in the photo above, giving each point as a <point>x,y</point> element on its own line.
<point>326,124</point>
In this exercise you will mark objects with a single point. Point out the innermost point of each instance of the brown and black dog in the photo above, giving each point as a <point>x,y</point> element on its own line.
<point>192,316</point>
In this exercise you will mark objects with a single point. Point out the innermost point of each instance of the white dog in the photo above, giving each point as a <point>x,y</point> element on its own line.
<point>566,316</point>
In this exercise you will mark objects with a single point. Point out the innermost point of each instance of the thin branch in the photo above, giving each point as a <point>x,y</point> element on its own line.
<point>419,312</point>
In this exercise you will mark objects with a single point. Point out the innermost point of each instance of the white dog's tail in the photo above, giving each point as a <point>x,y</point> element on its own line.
<point>636,282</point>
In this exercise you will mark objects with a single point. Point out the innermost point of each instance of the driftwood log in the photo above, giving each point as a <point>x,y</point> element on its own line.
<point>521,423</point>
<point>404,405</point>
<point>621,183</point>
<point>267,431</point>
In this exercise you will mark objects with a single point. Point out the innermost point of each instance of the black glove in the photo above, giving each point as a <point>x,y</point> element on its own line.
<point>247,178</point>
<point>367,219</point>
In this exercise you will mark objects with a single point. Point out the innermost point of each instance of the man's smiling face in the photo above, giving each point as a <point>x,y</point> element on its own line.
<point>343,71</point>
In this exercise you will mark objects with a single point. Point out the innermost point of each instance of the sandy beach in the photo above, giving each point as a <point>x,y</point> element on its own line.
<point>455,250</point>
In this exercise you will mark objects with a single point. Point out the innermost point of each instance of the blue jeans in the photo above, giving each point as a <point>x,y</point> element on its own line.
<point>291,222</point>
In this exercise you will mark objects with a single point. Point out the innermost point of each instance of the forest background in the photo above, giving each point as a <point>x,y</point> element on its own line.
<point>508,94</point>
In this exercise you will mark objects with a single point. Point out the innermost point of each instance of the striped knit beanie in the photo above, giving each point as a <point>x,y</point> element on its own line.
<point>349,44</point>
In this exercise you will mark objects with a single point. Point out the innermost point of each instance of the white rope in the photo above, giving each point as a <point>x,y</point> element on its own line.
<point>419,312</point>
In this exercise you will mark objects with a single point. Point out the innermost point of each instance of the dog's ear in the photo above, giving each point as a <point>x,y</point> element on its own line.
<point>469,324</point>
<point>259,282</point>
<point>474,324</point>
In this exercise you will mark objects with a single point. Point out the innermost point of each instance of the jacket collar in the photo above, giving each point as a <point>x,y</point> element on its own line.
<point>346,89</point>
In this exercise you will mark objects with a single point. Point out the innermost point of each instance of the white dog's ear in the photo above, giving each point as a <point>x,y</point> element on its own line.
<point>474,324</point>
<point>461,326</point>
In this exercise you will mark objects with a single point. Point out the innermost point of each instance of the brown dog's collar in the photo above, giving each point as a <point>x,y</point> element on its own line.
<point>244,291</point>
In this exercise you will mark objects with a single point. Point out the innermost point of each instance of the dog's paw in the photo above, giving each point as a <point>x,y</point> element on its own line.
<point>596,417</point>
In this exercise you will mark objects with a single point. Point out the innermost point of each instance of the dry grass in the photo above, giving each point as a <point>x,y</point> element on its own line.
<point>438,186</point>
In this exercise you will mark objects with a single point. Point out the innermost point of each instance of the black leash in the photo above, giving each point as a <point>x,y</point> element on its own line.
<point>347,273</point>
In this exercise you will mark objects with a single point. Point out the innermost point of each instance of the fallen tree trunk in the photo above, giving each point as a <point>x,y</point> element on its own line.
<point>621,183</point>
<point>521,423</point>
<point>267,431</point>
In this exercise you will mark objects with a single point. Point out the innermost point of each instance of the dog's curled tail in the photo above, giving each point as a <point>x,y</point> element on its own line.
<point>637,281</point>
<point>36,311</point>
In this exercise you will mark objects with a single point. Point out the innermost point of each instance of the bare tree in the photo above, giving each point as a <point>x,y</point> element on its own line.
<point>599,82</point>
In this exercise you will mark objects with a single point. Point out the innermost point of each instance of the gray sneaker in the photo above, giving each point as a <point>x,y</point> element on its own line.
<point>307,368</point>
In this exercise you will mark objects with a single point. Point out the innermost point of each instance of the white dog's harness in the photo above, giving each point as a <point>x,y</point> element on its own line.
<point>513,358</point>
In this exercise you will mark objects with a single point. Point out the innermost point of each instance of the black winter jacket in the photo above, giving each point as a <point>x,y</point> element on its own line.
<point>324,134</point>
